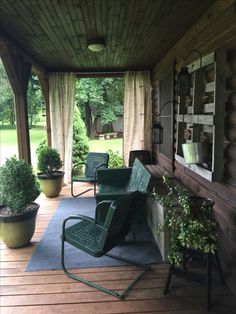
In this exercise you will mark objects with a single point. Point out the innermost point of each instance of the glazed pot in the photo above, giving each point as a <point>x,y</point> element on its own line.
<point>51,185</point>
<point>17,230</point>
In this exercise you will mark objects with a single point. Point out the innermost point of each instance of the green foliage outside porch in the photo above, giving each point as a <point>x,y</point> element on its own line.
<point>9,144</point>
<point>100,101</point>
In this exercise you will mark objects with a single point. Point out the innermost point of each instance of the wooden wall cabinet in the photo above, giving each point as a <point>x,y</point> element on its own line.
<point>200,118</point>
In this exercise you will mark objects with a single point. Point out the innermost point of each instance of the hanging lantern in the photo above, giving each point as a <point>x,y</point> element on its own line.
<point>184,82</point>
<point>157,133</point>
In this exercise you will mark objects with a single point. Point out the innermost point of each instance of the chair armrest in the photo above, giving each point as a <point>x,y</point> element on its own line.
<point>78,217</point>
<point>104,203</point>
<point>76,165</point>
<point>114,176</point>
<point>102,210</point>
<point>99,166</point>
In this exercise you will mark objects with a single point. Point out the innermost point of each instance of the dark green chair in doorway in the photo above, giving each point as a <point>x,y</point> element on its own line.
<point>98,239</point>
<point>94,161</point>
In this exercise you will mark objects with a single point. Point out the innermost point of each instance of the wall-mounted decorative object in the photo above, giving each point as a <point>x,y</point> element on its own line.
<point>184,78</point>
<point>202,153</point>
<point>196,153</point>
<point>157,133</point>
<point>157,128</point>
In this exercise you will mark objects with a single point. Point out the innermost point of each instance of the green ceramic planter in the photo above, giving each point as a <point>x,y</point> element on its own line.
<point>51,185</point>
<point>17,231</point>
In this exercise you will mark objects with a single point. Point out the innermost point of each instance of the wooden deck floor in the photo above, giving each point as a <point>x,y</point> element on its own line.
<point>53,292</point>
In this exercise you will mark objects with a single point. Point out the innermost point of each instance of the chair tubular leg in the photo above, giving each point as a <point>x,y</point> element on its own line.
<point>118,295</point>
<point>168,280</point>
<point>76,195</point>
<point>209,265</point>
<point>95,189</point>
<point>219,267</point>
<point>128,261</point>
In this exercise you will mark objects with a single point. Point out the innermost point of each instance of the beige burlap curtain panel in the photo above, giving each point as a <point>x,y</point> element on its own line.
<point>137,112</point>
<point>62,99</point>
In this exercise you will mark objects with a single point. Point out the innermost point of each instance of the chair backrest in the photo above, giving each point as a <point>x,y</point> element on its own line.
<point>93,161</point>
<point>143,155</point>
<point>118,221</point>
<point>139,178</point>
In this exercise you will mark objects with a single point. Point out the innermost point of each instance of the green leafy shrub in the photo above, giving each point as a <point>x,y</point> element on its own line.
<point>189,220</point>
<point>49,160</point>
<point>42,144</point>
<point>18,185</point>
<point>115,159</point>
<point>80,140</point>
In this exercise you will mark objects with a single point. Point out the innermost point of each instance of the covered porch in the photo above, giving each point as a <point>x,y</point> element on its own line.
<point>53,292</point>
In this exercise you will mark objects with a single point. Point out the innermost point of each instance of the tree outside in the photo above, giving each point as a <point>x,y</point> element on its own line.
<point>36,111</point>
<point>100,98</point>
<point>80,140</point>
<point>36,108</point>
<point>36,115</point>
<point>96,99</point>
<point>7,113</point>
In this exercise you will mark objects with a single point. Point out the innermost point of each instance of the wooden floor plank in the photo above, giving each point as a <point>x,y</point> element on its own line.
<point>160,272</point>
<point>53,292</point>
<point>69,287</point>
<point>134,306</point>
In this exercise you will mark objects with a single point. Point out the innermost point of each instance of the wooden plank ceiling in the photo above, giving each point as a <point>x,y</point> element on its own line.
<point>138,33</point>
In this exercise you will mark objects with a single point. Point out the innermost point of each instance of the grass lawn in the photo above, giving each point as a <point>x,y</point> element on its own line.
<point>8,136</point>
<point>8,143</point>
<point>103,145</point>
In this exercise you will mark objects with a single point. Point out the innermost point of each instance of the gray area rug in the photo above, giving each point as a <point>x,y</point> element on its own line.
<point>47,255</point>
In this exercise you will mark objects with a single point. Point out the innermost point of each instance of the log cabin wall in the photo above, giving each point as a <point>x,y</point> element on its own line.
<point>216,28</point>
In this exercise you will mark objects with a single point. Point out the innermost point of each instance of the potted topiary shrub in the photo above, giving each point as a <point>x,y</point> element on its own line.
<point>18,189</point>
<point>189,220</point>
<point>50,176</point>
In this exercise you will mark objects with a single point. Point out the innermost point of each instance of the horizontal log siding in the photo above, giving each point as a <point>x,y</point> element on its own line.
<point>215,28</point>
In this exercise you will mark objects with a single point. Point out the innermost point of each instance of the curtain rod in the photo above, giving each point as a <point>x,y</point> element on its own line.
<point>116,73</point>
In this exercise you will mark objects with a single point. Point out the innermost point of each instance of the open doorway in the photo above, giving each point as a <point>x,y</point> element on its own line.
<point>100,102</point>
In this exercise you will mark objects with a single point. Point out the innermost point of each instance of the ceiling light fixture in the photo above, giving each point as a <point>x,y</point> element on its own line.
<point>96,45</point>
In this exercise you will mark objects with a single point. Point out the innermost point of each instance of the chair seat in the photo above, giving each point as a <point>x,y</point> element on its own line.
<point>85,235</point>
<point>84,179</point>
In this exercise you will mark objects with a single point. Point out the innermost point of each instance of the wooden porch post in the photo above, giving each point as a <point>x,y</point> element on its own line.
<point>18,72</point>
<point>44,83</point>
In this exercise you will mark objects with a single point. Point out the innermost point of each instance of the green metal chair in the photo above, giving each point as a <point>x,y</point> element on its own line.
<point>98,239</point>
<point>94,162</point>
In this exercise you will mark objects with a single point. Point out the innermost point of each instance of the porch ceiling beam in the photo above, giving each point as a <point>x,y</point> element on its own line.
<point>5,41</point>
<point>18,72</point>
